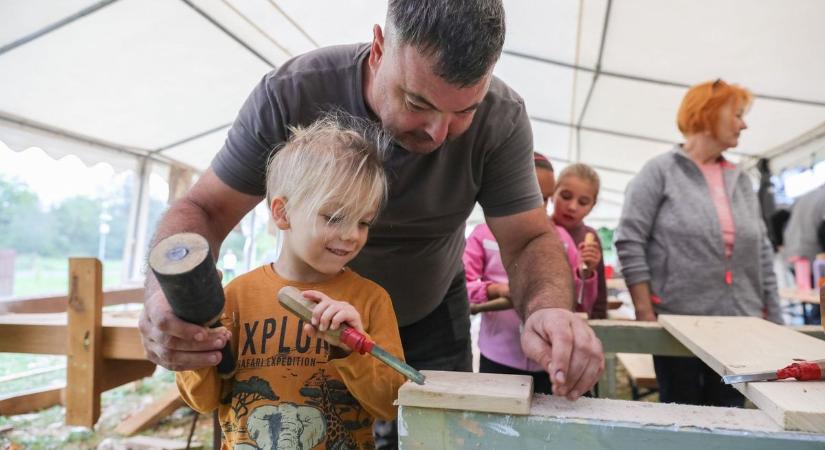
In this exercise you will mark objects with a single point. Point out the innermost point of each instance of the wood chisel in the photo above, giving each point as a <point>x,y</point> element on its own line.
<point>802,371</point>
<point>292,299</point>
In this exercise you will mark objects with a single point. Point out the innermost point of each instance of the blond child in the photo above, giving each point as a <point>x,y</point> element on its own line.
<point>292,389</point>
<point>575,195</point>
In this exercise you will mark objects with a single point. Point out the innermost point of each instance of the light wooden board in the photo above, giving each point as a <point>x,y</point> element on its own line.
<point>738,345</point>
<point>798,295</point>
<point>640,368</point>
<point>34,400</point>
<point>484,392</point>
<point>151,414</point>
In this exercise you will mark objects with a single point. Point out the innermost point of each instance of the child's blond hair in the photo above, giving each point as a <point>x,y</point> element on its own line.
<point>584,172</point>
<point>336,162</point>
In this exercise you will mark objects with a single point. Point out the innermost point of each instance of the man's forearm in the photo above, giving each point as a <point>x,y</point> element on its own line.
<point>540,276</point>
<point>184,216</point>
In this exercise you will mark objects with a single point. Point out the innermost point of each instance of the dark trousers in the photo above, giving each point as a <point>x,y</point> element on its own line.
<point>541,380</point>
<point>439,341</point>
<point>689,381</point>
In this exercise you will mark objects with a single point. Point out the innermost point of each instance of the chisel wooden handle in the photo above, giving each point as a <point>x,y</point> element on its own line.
<point>589,238</point>
<point>293,300</point>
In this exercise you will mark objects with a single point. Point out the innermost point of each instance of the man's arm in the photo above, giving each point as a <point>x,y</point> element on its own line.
<point>541,284</point>
<point>212,209</point>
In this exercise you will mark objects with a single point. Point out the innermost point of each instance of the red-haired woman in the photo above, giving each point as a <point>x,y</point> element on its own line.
<point>691,241</point>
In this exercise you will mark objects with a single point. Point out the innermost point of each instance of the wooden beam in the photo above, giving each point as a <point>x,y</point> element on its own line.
<point>46,334</point>
<point>588,423</point>
<point>30,401</point>
<point>84,361</point>
<point>509,394</point>
<point>738,345</point>
<point>149,415</point>
<point>639,368</point>
<point>627,336</point>
<point>59,302</point>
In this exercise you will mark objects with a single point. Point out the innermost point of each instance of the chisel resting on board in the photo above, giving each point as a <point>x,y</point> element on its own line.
<point>802,371</point>
<point>292,299</point>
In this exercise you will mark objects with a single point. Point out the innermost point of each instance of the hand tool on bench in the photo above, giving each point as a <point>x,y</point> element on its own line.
<point>183,266</point>
<point>583,270</point>
<point>293,300</point>
<point>496,304</point>
<point>802,371</point>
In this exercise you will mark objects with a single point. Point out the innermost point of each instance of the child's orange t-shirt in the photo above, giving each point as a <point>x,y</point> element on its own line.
<point>286,391</point>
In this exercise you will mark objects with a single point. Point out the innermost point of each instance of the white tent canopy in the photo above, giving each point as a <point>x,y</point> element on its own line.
<point>124,80</point>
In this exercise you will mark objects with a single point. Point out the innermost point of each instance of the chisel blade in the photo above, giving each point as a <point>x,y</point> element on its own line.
<point>748,377</point>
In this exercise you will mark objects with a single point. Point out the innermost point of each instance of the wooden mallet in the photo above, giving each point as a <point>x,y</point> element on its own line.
<point>183,266</point>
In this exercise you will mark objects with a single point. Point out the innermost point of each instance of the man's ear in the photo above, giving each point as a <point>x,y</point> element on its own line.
<point>278,210</point>
<point>377,47</point>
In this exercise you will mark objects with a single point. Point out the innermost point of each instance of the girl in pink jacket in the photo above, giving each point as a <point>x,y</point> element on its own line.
<point>500,337</point>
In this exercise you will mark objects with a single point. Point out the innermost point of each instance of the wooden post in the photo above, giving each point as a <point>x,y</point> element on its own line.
<point>85,357</point>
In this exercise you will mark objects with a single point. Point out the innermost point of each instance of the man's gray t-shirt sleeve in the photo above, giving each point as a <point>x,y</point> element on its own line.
<point>257,130</point>
<point>509,184</point>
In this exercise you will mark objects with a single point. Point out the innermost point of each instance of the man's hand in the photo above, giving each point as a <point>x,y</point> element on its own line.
<point>495,290</point>
<point>175,344</point>
<point>566,347</point>
<point>590,255</point>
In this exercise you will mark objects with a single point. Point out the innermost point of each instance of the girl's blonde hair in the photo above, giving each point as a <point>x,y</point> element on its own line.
<point>336,163</point>
<point>584,172</point>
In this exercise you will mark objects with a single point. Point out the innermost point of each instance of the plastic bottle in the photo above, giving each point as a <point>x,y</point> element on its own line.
<point>802,268</point>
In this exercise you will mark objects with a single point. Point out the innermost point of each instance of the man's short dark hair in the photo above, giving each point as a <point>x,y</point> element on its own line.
<point>465,36</point>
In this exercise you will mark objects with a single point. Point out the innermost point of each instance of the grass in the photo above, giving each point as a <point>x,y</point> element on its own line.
<point>46,429</point>
<point>37,275</point>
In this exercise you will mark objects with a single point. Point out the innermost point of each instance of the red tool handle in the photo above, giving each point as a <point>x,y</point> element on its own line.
<point>802,371</point>
<point>356,341</point>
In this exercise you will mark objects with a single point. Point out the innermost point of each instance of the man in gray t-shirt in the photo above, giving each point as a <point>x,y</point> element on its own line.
<point>461,136</point>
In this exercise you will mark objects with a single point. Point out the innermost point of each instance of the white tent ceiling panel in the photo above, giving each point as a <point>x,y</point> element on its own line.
<point>527,35</point>
<point>19,137</point>
<point>551,140</point>
<point>547,87</point>
<point>20,19</point>
<point>336,22</point>
<point>150,91</point>
<point>198,153</point>
<point>635,107</point>
<point>627,154</point>
<point>272,38</point>
<point>765,45</point>
<point>772,123</point>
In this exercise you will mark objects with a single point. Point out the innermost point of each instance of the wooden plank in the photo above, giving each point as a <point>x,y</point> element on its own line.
<point>622,336</point>
<point>616,283</point>
<point>508,394</point>
<point>737,345</point>
<point>58,302</point>
<point>84,356</point>
<point>588,423</point>
<point>46,334</point>
<point>30,401</point>
<point>797,295</point>
<point>151,414</point>
<point>640,369</point>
